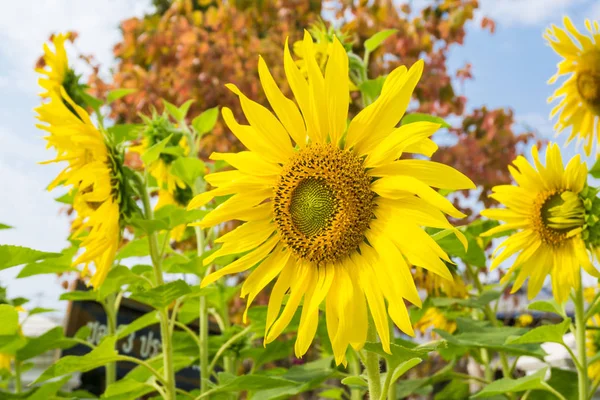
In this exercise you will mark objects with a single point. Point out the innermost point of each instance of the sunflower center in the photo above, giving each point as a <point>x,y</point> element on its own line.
<point>323,203</point>
<point>588,80</point>
<point>558,215</point>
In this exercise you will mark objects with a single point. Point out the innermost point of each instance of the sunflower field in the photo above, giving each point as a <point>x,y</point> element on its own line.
<point>273,199</point>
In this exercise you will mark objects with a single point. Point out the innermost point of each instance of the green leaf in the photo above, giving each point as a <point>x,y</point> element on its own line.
<point>332,394</point>
<point>125,132</point>
<point>372,87</point>
<point>377,39</point>
<point>80,295</point>
<point>163,295</point>
<point>153,152</point>
<point>11,256</point>
<point>454,390</point>
<point>418,117</point>
<point>595,171</point>
<point>10,320</point>
<point>507,385</point>
<point>127,389</point>
<point>185,107</point>
<point>101,355</point>
<point>542,334</point>
<point>404,367</point>
<point>276,350</point>
<point>206,121</point>
<point>92,101</point>
<point>145,320</point>
<point>149,226</point>
<point>355,382</point>
<point>117,94</point>
<point>563,381</point>
<point>135,248</point>
<point>401,354</point>
<point>67,198</point>
<point>253,383</point>
<point>473,302</point>
<point>550,306</point>
<point>51,265</point>
<point>52,339</point>
<point>117,277</point>
<point>188,169</point>
<point>39,310</point>
<point>4,226</point>
<point>48,391</point>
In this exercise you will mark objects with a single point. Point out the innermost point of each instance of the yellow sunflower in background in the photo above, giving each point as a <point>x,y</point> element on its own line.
<point>434,318</point>
<point>437,286</point>
<point>546,209</point>
<point>337,218</point>
<point>579,107</point>
<point>524,320</point>
<point>5,361</point>
<point>593,347</point>
<point>91,171</point>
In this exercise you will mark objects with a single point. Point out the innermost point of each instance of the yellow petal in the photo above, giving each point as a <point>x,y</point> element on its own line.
<point>432,173</point>
<point>284,108</point>
<point>249,163</point>
<point>337,91</point>
<point>243,263</point>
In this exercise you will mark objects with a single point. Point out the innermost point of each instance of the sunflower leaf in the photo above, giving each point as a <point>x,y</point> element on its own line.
<point>116,94</point>
<point>153,153</point>
<point>377,39</point>
<point>206,121</point>
<point>11,256</point>
<point>4,226</point>
<point>542,334</point>
<point>507,385</point>
<point>550,306</point>
<point>188,169</point>
<point>163,295</point>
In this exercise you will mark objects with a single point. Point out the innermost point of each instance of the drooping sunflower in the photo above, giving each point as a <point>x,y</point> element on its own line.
<point>92,173</point>
<point>437,286</point>
<point>337,217</point>
<point>579,107</point>
<point>5,361</point>
<point>546,209</point>
<point>434,318</point>
<point>593,347</point>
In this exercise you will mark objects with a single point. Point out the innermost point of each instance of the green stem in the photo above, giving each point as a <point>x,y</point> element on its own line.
<point>111,324</point>
<point>491,316</point>
<point>386,385</point>
<point>554,392</point>
<point>354,371</point>
<point>18,383</point>
<point>580,340</point>
<point>372,366</point>
<point>228,361</point>
<point>165,332</point>
<point>203,322</point>
<point>226,345</point>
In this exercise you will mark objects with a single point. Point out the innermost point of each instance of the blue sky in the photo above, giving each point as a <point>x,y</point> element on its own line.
<point>510,67</point>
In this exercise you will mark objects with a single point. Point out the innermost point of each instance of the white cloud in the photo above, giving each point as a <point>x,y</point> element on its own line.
<point>526,12</point>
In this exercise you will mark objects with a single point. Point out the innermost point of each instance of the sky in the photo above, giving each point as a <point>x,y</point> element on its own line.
<point>510,69</point>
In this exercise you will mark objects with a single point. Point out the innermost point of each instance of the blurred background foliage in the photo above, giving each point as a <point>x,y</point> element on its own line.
<point>189,49</point>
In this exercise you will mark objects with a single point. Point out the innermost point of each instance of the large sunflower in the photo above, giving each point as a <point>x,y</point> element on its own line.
<point>579,107</point>
<point>546,209</point>
<point>337,217</point>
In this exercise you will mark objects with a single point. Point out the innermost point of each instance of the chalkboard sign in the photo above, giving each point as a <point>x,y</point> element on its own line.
<point>143,344</point>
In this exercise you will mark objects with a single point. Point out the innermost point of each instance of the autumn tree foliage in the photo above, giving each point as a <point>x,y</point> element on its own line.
<point>189,49</point>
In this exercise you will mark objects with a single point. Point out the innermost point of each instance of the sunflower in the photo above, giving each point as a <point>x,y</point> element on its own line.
<point>524,320</point>
<point>434,318</point>
<point>580,93</point>
<point>337,218</point>
<point>92,173</point>
<point>437,286</point>
<point>548,212</point>
<point>5,361</point>
<point>179,199</point>
<point>593,347</point>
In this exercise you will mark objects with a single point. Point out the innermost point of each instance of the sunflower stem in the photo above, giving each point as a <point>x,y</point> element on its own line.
<point>580,340</point>
<point>372,366</point>
<point>165,332</point>
<point>111,325</point>
<point>354,362</point>
<point>203,322</point>
<point>18,382</point>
